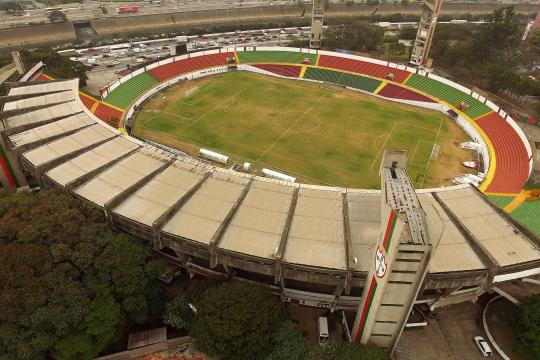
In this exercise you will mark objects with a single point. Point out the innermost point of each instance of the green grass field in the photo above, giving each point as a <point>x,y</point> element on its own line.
<point>322,135</point>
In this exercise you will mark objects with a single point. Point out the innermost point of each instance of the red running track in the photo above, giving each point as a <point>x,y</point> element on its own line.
<point>283,70</point>
<point>168,71</point>
<point>512,162</point>
<point>108,114</point>
<point>399,92</point>
<point>362,67</point>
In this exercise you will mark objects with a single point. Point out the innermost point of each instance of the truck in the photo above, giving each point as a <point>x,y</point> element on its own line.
<point>127,10</point>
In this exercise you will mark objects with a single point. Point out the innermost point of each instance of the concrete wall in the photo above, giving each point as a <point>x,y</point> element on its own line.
<point>207,19</point>
<point>27,36</point>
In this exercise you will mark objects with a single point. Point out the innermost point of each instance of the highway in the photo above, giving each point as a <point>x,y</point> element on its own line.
<point>91,9</point>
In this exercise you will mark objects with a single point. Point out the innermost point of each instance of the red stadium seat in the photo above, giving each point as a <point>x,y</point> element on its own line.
<point>398,92</point>
<point>108,114</point>
<point>283,70</point>
<point>168,71</point>
<point>512,162</point>
<point>362,67</point>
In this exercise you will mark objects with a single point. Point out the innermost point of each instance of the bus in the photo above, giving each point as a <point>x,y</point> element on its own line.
<point>51,9</point>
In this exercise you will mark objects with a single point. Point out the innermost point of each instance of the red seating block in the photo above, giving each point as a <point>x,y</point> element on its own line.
<point>362,67</point>
<point>283,70</point>
<point>108,114</point>
<point>87,100</point>
<point>399,92</point>
<point>168,71</point>
<point>512,162</point>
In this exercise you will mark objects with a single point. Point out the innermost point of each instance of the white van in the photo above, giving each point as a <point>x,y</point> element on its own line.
<point>483,346</point>
<point>323,330</point>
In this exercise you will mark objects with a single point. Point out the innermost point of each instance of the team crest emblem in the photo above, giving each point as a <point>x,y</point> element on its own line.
<point>380,264</point>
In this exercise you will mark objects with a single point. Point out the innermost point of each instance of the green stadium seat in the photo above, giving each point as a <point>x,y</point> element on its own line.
<point>449,94</point>
<point>127,92</point>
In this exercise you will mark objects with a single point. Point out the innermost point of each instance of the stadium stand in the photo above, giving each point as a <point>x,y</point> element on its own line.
<point>87,100</point>
<point>501,201</point>
<point>168,71</point>
<point>274,57</point>
<point>124,94</point>
<point>308,240</point>
<point>512,165</point>
<point>398,92</point>
<point>362,67</point>
<point>344,79</point>
<point>283,70</point>
<point>108,114</point>
<point>449,94</point>
<point>528,214</point>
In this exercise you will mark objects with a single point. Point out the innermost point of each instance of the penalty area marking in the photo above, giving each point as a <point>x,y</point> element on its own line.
<point>382,147</point>
<point>435,143</point>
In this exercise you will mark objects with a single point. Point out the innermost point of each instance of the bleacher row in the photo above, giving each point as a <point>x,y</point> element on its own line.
<point>511,157</point>
<point>512,163</point>
<point>103,111</point>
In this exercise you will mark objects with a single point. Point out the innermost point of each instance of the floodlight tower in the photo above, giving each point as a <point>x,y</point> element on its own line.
<point>317,24</point>
<point>399,260</point>
<point>426,28</point>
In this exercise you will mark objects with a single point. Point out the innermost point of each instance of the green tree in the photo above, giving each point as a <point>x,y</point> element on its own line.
<point>57,16</point>
<point>407,33</point>
<point>68,283</point>
<point>58,66</point>
<point>178,313</point>
<point>11,7</point>
<point>236,320</point>
<point>527,328</point>
<point>287,343</point>
<point>354,36</point>
<point>347,351</point>
<point>535,39</point>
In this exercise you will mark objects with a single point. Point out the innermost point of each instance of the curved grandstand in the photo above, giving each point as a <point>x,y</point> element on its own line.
<point>310,243</point>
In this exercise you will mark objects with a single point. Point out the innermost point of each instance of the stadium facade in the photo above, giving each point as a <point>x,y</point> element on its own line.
<point>314,245</point>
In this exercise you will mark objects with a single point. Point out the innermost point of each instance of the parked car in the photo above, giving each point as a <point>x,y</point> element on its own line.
<point>483,346</point>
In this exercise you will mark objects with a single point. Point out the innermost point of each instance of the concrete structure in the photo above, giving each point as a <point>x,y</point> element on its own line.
<point>317,18</point>
<point>313,245</point>
<point>426,28</point>
<point>400,260</point>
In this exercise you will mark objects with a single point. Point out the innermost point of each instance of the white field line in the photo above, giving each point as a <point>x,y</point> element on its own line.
<point>435,142</point>
<point>412,158</point>
<point>290,127</point>
<point>242,157</point>
<point>382,147</point>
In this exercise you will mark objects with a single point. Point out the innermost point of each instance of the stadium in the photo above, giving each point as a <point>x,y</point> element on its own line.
<point>311,241</point>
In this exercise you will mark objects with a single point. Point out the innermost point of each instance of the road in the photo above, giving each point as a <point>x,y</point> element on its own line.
<point>91,9</point>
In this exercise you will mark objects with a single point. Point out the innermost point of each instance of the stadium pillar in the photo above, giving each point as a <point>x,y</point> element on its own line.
<point>399,261</point>
<point>426,28</point>
<point>317,17</point>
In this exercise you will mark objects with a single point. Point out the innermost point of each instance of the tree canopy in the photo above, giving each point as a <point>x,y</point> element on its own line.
<point>528,328</point>
<point>58,66</point>
<point>236,320</point>
<point>57,16</point>
<point>287,343</point>
<point>68,283</point>
<point>178,313</point>
<point>354,36</point>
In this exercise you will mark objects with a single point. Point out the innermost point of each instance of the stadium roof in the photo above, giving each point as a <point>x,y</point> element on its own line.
<point>246,214</point>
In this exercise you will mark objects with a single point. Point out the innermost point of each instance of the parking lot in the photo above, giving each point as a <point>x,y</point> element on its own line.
<point>449,336</point>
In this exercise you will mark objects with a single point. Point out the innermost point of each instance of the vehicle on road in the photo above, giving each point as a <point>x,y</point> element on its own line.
<point>322,326</point>
<point>483,346</point>
<point>127,10</point>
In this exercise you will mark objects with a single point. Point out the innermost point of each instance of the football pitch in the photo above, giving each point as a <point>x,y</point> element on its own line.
<point>321,134</point>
